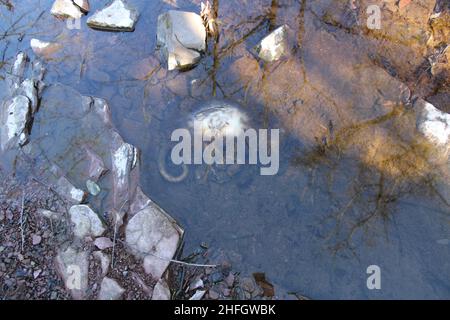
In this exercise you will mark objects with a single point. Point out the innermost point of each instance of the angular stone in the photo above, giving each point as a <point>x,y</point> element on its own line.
<point>66,9</point>
<point>153,235</point>
<point>433,124</point>
<point>96,166</point>
<point>181,36</point>
<point>14,119</point>
<point>273,46</point>
<point>118,16</point>
<point>103,243</point>
<point>73,267</point>
<point>110,290</point>
<point>161,291</point>
<point>124,159</point>
<point>87,222</point>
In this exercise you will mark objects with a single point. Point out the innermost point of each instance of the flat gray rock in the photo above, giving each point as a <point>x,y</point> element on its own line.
<point>110,290</point>
<point>151,234</point>
<point>118,16</point>
<point>73,266</point>
<point>181,37</point>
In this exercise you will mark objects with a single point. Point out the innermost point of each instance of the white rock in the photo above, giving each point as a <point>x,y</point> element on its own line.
<point>118,16</point>
<point>274,46</point>
<point>19,66</point>
<point>14,117</point>
<point>73,266</point>
<point>66,9</point>
<point>152,234</point>
<point>103,243</point>
<point>434,124</point>
<point>28,89</point>
<point>124,158</point>
<point>110,290</point>
<point>161,291</point>
<point>181,36</point>
<point>87,222</point>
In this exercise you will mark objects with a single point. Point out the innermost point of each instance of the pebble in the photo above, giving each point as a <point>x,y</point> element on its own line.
<point>213,295</point>
<point>226,292</point>
<point>216,277</point>
<point>36,273</point>
<point>248,285</point>
<point>36,239</point>
<point>229,280</point>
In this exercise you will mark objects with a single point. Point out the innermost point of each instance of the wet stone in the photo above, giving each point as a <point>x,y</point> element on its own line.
<point>14,117</point>
<point>66,9</point>
<point>181,37</point>
<point>274,46</point>
<point>118,16</point>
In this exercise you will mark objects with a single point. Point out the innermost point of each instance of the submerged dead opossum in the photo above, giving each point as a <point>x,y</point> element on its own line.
<point>216,119</point>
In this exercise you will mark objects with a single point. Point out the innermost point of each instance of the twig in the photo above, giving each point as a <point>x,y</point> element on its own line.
<point>185,263</point>
<point>21,222</point>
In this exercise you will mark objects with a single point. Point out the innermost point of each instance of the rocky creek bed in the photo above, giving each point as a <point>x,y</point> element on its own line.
<point>78,216</point>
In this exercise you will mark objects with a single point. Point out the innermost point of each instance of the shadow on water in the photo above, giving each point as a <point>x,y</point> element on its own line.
<point>356,186</point>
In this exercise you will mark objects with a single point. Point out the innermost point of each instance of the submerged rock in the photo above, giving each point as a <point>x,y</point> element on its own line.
<point>153,235</point>
<point>93,188</point>
<point>43,48</point>
<point>433,124</point>
<point>274,46</point>
<point>66,9</point>
<point>110,290</point>
<point>67,190</point>
<point>73,266</point>
<point>181,37</point>
<point>14,117</point>
<point>118,16</point>
<point>86,221</point>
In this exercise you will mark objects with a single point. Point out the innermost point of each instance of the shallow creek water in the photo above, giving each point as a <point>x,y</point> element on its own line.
<point>355,186</point>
